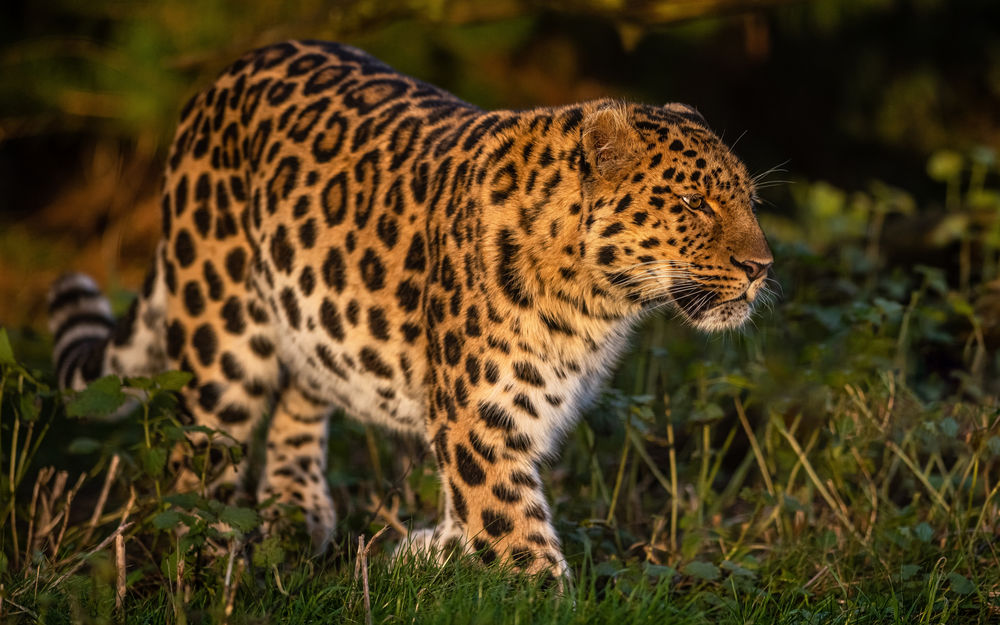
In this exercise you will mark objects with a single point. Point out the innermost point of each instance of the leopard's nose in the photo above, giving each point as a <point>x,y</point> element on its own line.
<point>753,268</point>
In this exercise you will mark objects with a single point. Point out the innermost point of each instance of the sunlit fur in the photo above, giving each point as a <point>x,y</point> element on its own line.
<point>341,237</point>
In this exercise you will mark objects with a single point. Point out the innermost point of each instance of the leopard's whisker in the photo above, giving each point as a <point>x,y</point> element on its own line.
<point>742,134</point>
<point>776,169</point>
<point>652,278</point>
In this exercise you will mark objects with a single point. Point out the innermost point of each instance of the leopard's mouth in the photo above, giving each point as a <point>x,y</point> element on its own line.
<point>706,310</point>
<point>742,297</point>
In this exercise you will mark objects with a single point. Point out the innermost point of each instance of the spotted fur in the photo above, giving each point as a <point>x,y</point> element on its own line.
<point>338,235</point>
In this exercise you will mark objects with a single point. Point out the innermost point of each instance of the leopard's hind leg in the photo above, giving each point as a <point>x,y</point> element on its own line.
<point>295,472</point>
<point>220,332</point>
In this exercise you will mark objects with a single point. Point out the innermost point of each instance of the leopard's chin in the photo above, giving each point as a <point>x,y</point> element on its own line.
<point>728,315</point>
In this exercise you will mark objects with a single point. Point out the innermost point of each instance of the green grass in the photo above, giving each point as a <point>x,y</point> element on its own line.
<point>461,592</point>
<point>837,463</point>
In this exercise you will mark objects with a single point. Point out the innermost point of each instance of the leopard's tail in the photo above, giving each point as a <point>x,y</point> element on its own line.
<point>81,324</point>
<point>88,341</point>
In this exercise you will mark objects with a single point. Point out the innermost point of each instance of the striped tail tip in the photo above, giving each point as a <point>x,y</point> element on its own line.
<point>81,324</point>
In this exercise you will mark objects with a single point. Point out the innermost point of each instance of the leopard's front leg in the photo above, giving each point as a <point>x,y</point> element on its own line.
<point>494,500</point>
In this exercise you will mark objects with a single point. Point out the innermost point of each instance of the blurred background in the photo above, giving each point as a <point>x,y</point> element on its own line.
<point>839,93</point>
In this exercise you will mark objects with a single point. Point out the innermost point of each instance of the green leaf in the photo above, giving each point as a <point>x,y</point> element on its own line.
<point>168,566</point>
<point>30,407</point>
<point>657,570</point>
<point>993,444</point>
<point>924,532</point>
<point>203,429</point>
<point>172,380</point>
<point>961,305</point>
<point>269,552</point>
<point>702,570</point>
<point>6,351</point>
<point>243,519</point>
<point>193,539</point>
<point>692,542</point>
<point>707,413</point>
<point>934,277</point>
<point>183,500</point>
<point>101,398</point>
<point>153,460</point>
<point>167,519</point>
<point>133,577</point>
<point>948,427</point>
<point>791,504</point>
<point>984,155</point>
<point>889,308</point>
<point>83,445</point>
<point>172,434</point>
<point>960,583</point>
<point>983,199</point>
<point>907,571</point>
<point>944,165</point>
<point>608,569</point>
<point>736,569</point>
<point>143,384</point>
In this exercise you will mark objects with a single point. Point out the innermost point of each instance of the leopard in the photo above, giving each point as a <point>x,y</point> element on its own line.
<point>340,238</point>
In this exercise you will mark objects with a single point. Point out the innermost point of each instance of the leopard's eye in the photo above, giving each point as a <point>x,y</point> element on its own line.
<point>695,202</point>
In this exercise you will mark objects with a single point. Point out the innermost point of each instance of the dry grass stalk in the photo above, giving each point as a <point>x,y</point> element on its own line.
<point>45,523</point>
<point>838,510</point>
<point>109,477</point>
<point>277,580</point>
<point>44,476</point>
<point>920,475</point>
<point>388,514</point>
<point>43,515</point>
<point>127,510</point>
<point>177,600</point>
<point>12,485</point>
<point>674,503</point>
<point>416,606</point>
<point>758,454</point>
<point>361,567</point>
<point>229,568</point>
<point>15,605</point>
<point>653,544</point>
<point>82,559</point>
<point>231,597</point>
<point>872,492</point>
<point>823,571</point>
<point>230,583</point>
<point>65,515</point>
<point>362,561</point>
<point>120,577</point>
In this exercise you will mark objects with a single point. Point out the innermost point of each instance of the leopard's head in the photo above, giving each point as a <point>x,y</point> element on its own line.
<point>671,214</point>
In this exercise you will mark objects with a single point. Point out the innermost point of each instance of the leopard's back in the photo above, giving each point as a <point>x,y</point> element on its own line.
<point>304,179</point>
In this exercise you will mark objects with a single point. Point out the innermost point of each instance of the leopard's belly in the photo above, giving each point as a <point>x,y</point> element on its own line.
<point>363,395</point>
<point>354,374</point>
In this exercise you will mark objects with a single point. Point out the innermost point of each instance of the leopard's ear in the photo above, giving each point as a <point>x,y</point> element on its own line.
<point>688,112</point>
<point>610,140</point>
